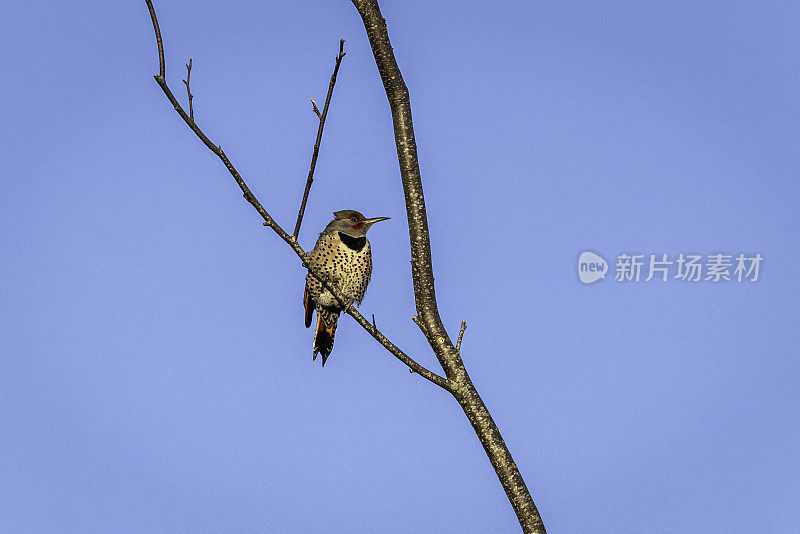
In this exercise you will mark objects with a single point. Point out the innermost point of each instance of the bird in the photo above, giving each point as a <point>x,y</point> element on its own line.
<point>342,255</point>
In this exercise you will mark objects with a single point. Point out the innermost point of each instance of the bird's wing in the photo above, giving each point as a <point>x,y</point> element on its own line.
<point>369,275</point>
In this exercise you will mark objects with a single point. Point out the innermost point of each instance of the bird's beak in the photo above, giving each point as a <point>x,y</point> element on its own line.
<point>376,219</point>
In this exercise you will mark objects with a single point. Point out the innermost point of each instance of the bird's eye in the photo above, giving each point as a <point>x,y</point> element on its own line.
<point>353,219</point>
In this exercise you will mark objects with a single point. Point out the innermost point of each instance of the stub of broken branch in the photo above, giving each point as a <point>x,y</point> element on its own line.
<point>460,336</point>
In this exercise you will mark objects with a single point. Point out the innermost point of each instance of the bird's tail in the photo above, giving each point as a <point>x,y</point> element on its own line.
<point>323,337</point>
<point>308,304</point>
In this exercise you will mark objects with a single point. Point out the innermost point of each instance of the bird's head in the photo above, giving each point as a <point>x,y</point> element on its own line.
<point>352,223</point>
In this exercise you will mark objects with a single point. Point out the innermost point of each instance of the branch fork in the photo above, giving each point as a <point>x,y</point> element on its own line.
<point>290,240</point>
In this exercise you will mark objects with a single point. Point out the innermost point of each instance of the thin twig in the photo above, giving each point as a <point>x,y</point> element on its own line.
<point>269,221</point>
<point>188,91</point>
<point>314,155</point>
<point>460,336</point>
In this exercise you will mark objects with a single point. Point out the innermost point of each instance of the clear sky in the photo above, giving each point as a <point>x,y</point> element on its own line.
<point>156,375</point>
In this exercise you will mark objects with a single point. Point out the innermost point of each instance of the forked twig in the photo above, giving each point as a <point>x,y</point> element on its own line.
<point>460,336</point>
<point>188,91</point>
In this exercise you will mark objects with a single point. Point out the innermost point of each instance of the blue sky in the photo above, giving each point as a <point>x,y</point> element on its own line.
<point>156,374</point>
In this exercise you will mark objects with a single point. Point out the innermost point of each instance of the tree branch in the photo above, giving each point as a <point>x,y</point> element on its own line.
<point>314,155</point>
<point>269,221</point>
<point>422,274</point>
<point>421,263</point>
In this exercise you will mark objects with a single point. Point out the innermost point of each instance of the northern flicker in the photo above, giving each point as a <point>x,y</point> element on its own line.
<point>342,255</point>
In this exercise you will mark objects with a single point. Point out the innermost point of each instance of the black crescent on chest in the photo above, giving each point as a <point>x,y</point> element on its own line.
<point>353,243</point>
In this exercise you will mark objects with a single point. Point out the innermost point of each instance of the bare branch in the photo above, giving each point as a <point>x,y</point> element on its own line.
<point>422,274</point>
<point>421,262</point>
<point>188,91</point>
<point>460,336</point>
<point>269,221</point>
<point>314,155</point>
